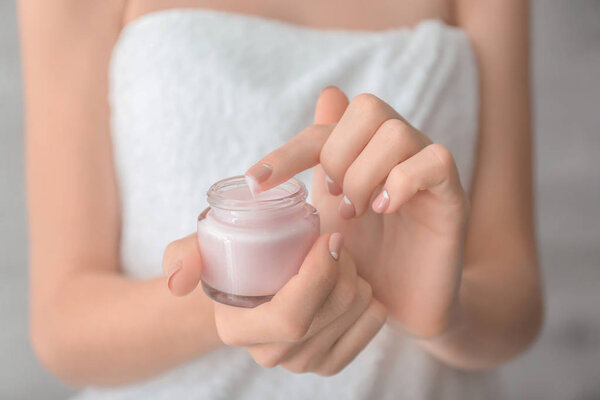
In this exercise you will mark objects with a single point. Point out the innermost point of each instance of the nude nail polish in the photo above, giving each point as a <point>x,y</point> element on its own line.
<point>336,240</point>
<point>256,175</point>
<point>173,270</point>
<point>346,208</point>
<point>332,187</point>
<point>381,202</point>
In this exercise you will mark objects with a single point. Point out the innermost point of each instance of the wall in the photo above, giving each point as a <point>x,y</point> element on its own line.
<point>564,363</point>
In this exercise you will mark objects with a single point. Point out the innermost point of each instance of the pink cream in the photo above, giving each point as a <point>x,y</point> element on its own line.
<point>251,246</point>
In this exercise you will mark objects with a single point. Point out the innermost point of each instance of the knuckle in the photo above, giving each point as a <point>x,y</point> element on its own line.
<point>353,184</point>
<point>396,131</point>
<point>378,311</point>
<point>227,336</point>
<point>227,332</point>
<point>267,358</point>
<point>330,160</point>
<point>300,365</point>
<point>266,362</point>
<point>366,102</point>
<point>398,176</point>
<point>330,369</point>
<point>292,329</point>
<point>442,155</point>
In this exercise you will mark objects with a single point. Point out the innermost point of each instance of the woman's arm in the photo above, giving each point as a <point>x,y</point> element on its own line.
<point>89,323</point>
<point>500,296</point>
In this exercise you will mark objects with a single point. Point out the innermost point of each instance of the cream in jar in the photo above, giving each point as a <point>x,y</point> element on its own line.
<point>252,245</point>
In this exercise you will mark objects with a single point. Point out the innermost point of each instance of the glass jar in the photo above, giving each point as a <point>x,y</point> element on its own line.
<point>251,247</point>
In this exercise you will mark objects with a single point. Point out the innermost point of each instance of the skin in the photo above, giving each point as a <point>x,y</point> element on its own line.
<point>464,281</point>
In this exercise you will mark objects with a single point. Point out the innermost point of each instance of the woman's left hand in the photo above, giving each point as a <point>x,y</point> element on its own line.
<point>396,197</point>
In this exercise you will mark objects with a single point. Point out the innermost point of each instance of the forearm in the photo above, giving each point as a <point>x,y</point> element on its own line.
<point>105,329</point>
<point>499,314</point>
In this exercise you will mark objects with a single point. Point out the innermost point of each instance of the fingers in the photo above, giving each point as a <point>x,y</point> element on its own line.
<point>311,353</point>
<point>334,146</point>
<point>354,340</point>
<point>348,299</point>
<point>182,265</point>
<point>329,109</point>
<point>331,104</point>
<point>289,315</point>
<point>335,346</point>
<point>302,152</point>
<point>307,354</point>
<point>340,299</point>
<point>363,116</point>
<point>370,144</point>
<point>432,169</point>
<point>303,326</point>
<point>394,142</point>
<point>297,155</point>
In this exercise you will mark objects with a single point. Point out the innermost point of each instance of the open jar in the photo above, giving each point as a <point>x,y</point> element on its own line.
<point>251,247</point>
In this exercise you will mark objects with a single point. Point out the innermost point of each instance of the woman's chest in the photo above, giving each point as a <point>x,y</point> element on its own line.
<point>199,95</point>
<point>335,14</point>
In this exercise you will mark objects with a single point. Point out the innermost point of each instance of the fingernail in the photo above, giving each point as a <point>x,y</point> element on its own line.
<point>346,209</point>
<point>257,174</point>
<point>332,187</point>
<point>336,240</point>
<point>381,202</point>
<point>173,270</point>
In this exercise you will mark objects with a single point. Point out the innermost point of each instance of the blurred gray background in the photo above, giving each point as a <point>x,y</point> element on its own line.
<point>565,362</point>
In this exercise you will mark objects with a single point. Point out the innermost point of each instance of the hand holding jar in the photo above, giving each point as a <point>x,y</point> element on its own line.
<point>397,200</point>
<point>317,322</point>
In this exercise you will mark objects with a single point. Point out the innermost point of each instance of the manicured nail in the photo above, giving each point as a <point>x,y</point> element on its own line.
<point>346,209</point>
<point>332,187</point>
<point>381,202</point>
<point>172,271</point>
<point>257,174</point>
<point>336,240</point>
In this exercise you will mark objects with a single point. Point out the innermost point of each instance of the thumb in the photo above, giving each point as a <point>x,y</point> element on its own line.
<point>330,107</point>
<point>182,264</point>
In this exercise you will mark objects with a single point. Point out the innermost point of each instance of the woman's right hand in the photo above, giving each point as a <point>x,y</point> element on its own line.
<point>318,322</point>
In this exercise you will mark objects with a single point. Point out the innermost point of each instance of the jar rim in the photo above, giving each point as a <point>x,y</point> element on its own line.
<point>296,194</point>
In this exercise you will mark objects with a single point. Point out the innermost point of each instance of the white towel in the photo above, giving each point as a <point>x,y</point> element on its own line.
<point>200,95</point>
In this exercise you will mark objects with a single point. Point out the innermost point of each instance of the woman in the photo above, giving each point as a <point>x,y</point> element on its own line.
<point>200,90</point>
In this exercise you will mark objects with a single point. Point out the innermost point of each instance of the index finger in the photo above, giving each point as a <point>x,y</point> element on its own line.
<point>297,155</point>
<point>303,151</point>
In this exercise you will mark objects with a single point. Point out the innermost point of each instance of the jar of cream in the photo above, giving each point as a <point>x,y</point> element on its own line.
<point>251,246</point>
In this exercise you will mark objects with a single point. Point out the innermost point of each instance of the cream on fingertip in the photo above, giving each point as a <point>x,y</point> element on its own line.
<point>256,175</point>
